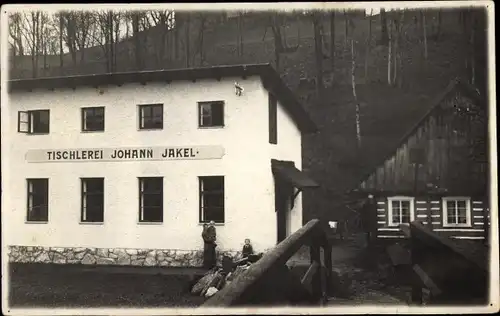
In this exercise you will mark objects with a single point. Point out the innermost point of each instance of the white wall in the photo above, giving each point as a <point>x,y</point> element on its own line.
<point>249,208</point>
<point>289,147</point>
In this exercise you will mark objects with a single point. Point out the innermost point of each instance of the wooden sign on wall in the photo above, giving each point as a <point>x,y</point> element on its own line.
<point>125,154</point>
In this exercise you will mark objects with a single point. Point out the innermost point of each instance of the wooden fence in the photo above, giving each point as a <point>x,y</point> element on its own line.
<point>270,282</point>
<point>453,271</point>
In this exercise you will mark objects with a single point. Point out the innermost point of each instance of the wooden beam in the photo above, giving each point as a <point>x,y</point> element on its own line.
<point>426,280</point>
<point>308,276</point>
<point>236,292</point>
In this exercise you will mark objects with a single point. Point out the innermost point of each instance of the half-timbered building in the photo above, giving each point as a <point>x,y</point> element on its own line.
<point>438,173</point>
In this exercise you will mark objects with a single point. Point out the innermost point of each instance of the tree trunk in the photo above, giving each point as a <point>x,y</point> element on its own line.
<point>368,44</point>
<point>355,96</point>
<point>319,53</point>
<point>163,38</point>
<point>201,38</point>
<point>176,39</point>
<point>424,27</point>
<point>332,40</point>
<point>187,40</point>
<point>137,41</point>
<point>116,41</point>
<point>472,55</point>
<point>240,32</point>
<point>278,45</point>
<point>384,38</point>
<point>61,51</point>
<point>395,51</point>
<point>400,51</point>
<point>111,56</point>
<point>346,31</point>
<point>389,56</point>
<point>438,32</point>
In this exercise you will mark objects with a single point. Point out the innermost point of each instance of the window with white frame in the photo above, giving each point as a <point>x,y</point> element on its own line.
<point>211,199</point>
<point>151,199</point>
<point>456,212</point>
<point>151,116</point>
<point>38,200</point>
<point>93,119</point>
<point>401,210</point>
<point>92,208</point>
<point>33,122</point>
<point>211,114</point>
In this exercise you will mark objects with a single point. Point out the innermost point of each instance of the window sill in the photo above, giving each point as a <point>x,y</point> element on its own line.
<point>149,223</point>
<point>215,224</point>
<point>456,226</point>
<point>211,127</point>
<point>149,129</point>
<point>99,131</point>
<point>36,222</point>
<point>91,223</point>
<point>35,134</point>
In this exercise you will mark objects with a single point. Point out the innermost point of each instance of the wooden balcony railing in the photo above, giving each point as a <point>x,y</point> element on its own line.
<point>270,282</point>
<point>453,271</point>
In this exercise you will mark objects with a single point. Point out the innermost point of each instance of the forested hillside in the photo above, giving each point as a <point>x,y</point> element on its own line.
<point>365,80</point>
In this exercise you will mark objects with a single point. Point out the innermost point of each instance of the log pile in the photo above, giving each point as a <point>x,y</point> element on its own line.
<point>218,277</point>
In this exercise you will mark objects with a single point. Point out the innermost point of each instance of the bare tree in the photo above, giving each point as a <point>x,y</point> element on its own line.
<point>201,35</point>
<point>439,21</point>
<point>332,40</point>
<point>389,55</point>
<point>318,49</point>
<point>31,34</point>
<point>161,22</point>
<point>368,44</point>
<point>239,41</point>
<point>424,31</point>
<point>187,39</point>
<point>16,35</point>
<point>353,85</point>
<point>384,37</point>
<point>136,17</point>
<point>70,32</point>
<point>60,17</point>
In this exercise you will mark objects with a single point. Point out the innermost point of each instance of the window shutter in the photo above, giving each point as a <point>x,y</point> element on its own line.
<point>23,122</point>
<point>273,120</point>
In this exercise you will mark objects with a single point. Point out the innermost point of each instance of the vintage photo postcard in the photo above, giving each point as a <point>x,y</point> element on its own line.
<point>249,158</point>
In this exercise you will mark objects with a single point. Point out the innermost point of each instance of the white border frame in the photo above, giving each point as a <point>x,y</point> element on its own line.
<point>468,208</point>
<point>410,199</point>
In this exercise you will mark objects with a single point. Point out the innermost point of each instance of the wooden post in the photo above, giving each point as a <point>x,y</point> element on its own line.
<point>429,212</point>
<point>486,222</point>
<point>327,250</point>
<point>316,257</point>
<point>416,284</point>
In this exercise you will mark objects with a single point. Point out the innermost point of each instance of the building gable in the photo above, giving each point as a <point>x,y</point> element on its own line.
<point>444,152</point>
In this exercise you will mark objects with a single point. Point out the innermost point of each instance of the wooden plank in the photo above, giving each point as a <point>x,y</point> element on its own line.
<point>308,276</point>
<point>426,280</point>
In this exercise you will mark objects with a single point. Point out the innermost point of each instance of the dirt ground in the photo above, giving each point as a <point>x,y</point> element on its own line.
<point>78,286</point>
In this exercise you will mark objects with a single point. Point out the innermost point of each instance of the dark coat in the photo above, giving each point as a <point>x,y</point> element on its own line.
<point>209,234</point>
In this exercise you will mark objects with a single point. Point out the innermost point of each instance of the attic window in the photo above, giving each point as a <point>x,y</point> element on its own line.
<point>211,114</point>
<point>33,122</point>
<point>151,116</point>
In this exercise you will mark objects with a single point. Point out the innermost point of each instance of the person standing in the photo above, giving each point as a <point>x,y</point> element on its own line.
<point>369,222</point>
<point>209,236</point>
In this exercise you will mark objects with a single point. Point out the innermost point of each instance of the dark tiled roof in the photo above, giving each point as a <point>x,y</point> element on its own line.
<point>464,87</point>
<point>269,76</point>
